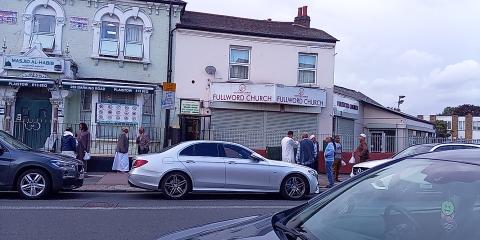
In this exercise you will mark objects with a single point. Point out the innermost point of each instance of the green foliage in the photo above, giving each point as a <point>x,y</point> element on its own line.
<point>462,110</point>
<point>441,129</point>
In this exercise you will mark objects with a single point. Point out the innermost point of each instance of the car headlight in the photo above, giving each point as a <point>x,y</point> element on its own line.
<point>64,164</point>
<point>313,172</point>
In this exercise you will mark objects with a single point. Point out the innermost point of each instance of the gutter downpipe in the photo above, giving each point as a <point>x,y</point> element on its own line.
<point>167,138</point>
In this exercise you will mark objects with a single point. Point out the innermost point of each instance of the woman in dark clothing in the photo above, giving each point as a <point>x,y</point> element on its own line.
<point>84,139</point>
<point>69,143</point>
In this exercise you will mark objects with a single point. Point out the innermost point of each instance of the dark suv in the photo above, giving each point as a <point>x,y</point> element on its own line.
<point>35,174</point>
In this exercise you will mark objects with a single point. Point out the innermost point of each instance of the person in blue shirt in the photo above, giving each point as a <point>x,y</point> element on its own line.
<point>329,155</point>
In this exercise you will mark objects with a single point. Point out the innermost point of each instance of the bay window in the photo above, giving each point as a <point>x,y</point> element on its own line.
<point>239,63</point>
<point>44,31</point>
<point>133,41</point>
<point>307,68</point>
<point>109,39</point>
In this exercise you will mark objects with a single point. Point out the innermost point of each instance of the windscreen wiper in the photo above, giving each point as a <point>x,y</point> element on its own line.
<point>289,231</point>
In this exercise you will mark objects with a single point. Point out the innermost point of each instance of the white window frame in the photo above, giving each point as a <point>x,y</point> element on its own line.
<point>307,69</point>
<point>29,18</point>
<point>449,125</point>
<point>134,43</point>
<point>461,125</point>
<point>230,63</point>
<point>476,125</point>
<point>109,40</point>
<point>135,12</point>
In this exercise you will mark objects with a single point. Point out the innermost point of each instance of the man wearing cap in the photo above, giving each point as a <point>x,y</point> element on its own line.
<point>361,153</point>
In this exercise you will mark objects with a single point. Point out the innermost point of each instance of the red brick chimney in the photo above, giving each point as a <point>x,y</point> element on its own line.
<point>302,18</point>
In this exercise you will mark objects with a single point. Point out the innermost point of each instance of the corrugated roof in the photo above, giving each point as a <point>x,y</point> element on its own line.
<point>255,27</point>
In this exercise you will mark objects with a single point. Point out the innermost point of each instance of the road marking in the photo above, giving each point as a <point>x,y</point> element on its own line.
<point>142,208</point>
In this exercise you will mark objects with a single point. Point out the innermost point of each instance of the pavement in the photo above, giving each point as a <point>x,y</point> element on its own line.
<point>118,182</point>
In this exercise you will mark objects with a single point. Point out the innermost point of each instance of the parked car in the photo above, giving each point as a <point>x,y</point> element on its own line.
<point>412,151</point>
<point>214,166</point>
<point>430,196</point>
<point>35,174</point>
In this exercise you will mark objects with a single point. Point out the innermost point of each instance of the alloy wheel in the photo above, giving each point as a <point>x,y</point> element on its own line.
<point>33,184</point>
<point>176,185</point>
<point>295,187</point>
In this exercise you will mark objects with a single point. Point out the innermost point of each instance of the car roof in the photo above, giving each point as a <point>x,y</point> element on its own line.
<point>471,156</point>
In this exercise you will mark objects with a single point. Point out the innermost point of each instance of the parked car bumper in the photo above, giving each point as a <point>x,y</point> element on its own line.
<point>144,179</point>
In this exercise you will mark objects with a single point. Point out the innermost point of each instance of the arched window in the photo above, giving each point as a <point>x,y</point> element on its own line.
<point>110,36</point>
<point>43,25</point>
<point>122,35</point>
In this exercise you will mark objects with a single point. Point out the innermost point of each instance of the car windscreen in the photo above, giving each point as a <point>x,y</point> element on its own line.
<point>12,142</point>
<point>411,199</point>
<point>413,150</point>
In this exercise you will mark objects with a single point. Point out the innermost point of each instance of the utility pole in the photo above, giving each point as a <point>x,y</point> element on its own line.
<point>167,137</point>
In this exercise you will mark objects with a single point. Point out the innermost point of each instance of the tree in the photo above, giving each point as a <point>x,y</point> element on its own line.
<point>441,129</point>
<point>462,110</point>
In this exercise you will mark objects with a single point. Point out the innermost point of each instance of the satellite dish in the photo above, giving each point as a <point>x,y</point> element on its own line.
<point>211,70</point>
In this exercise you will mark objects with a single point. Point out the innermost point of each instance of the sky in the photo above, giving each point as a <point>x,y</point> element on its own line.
<point>427,50</point>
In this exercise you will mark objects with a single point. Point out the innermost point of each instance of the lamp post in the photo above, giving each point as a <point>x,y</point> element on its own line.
<point>400,101</point>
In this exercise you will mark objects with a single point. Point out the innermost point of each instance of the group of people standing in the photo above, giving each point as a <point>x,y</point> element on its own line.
<point>308,149</point>
<point>78,146</point>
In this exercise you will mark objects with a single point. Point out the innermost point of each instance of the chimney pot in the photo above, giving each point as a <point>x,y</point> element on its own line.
<point>300,12</point>
<point>302,19</point>
<point>304,12</point>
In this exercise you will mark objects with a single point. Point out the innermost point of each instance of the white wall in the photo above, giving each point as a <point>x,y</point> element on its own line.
<point>272,61</point>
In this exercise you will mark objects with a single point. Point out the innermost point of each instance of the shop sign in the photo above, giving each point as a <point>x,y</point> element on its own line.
<point>189,107</point>
<point>31,83</point>
<point>8,17</point>
<point>79,23</point>
<point>38,64</point>
<point>168,96</point>
<point>239,92</point>
<point>300,96</point>
<point>106,89</point>
<point>117,113</point>
<point>346,105</point>
<point>268,93</point>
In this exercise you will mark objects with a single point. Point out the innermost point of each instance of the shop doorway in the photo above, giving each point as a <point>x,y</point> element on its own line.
<point>33,116</point>
<point>194,127</point>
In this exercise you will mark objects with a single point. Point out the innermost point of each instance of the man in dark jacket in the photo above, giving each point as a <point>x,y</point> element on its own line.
<point>305,152</point>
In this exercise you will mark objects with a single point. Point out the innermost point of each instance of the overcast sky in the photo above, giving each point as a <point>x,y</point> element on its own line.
<point>427,50</point>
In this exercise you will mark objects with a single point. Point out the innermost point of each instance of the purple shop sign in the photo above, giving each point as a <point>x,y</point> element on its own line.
<point>8,17</point>
<point>79,23</point>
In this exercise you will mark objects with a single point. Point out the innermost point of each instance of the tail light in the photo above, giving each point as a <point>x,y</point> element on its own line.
<point>139,162</point>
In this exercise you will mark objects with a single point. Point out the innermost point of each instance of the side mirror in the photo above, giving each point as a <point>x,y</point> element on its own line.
<point>255,157</point>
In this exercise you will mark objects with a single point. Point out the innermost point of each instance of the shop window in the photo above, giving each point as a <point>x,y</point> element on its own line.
<point>86,98</point>
<point>109,40</point>
<point>239,63</point>
<point>307,68</point>
<point>119,98</point>
<point>133,41</point>
<point>148,109</point>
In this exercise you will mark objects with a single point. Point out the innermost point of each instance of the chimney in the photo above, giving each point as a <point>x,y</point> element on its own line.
<point>302,18</point>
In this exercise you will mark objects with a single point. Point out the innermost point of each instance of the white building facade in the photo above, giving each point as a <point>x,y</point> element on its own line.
<point>251,81</point>
<point>460,127</point>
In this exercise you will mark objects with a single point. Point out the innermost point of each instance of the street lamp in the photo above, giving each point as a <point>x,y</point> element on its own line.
<point>400,101</point>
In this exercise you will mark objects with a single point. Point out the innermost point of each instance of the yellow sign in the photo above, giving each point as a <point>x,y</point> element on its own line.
<point>169,87</point>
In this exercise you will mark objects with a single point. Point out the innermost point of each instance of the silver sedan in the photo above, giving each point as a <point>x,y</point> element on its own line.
<point>214,166</point>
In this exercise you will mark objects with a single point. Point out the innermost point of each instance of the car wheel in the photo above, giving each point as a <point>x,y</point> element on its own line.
<point>294,187</point>
<point>34,184</point>
<point>175,185</point>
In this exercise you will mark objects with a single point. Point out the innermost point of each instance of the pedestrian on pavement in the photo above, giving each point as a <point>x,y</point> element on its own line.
<point>305,151</point>
<point>329,155</point>
<point>337,163</point>
<point>83,146</point>
<point>143,141</point>
<point>361,154</point>
<point>120,162</point>
<point>68,143</point>
<point>316,148</point>
<point>288,145</point>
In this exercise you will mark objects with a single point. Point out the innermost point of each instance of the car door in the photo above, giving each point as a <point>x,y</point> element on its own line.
<point>5,171</point>
<point>205,165</point>
<point>243,172</point>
